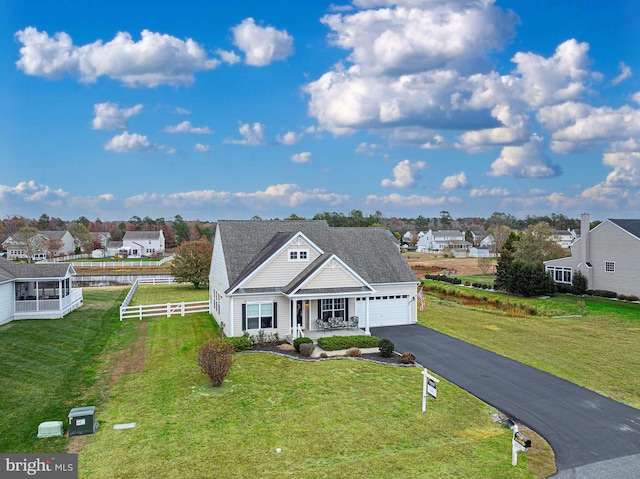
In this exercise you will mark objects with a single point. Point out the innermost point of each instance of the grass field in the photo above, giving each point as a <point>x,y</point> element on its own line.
<point>332,419</point>
<point>168,293</point>
<point>50,366</point>
<point>593,342</point>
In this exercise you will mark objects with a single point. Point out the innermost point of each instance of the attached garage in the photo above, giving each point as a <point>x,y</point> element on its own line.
<point>385,310</point>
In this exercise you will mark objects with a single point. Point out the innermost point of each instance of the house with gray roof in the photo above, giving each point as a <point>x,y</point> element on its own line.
<point>50,244</point>
<point>142,243</point>
<point>292,277</point>
<point>36,291</point>
<point>608,255</point>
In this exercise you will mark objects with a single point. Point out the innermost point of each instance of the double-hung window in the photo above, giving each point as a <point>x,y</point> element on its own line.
<point>332,307</point>
<point>610,266</point>
<point>259,315</point>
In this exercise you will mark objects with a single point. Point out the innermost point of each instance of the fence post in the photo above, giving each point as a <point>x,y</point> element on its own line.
<point>140,312</point>
<point>168,310</point>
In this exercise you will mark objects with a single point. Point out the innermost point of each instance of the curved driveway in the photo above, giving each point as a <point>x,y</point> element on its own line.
<point>582,427</point>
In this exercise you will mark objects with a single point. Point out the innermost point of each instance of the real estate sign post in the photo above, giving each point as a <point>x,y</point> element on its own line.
<point>429,385</point>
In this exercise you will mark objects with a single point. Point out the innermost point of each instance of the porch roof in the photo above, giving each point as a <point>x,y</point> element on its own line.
<point>35,270</point>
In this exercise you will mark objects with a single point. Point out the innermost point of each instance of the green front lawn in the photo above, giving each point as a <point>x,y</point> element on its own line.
<point>336,418</point>
<point>168,293</point>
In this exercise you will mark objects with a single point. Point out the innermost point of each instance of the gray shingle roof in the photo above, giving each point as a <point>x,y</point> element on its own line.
<point>11,270</point>
<point>138,235</point>
<point>368,251</point>
<point>632,226</point>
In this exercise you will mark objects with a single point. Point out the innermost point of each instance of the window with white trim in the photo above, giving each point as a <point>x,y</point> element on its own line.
<point>610,266</point>
<point>560,274</point>
<point>332,307</point>
<point>259,315</point>
<point>298,255</point>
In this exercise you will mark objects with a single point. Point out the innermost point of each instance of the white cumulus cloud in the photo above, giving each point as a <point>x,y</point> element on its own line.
<point>625,72</point>
<point>252,135</point>
<point>187,127</point>
<point>108,116</point>
<point>128,142</point>
<point>202,148</point>
<point>303,157</point>
<point>455,182</point>
<point>405,174</point>
<point>526,161</point>
<point>290,138</point>
<point>261,45</point>
<point>155,59</point>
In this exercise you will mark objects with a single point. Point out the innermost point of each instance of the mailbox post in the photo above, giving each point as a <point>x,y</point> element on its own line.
<point>519,442</point>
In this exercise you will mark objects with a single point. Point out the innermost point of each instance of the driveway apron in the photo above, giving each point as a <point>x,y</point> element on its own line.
<point>581,426</point>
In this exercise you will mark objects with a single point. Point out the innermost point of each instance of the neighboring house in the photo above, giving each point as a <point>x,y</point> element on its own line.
<point>36,290</point>
<point>113,247</point>
<point>488,242</point>
<point>279,276</point>
<point>142,243</point>
<point>408,237</point>
<point>478,236</point>
<point>564,238</point>
<point>608,255</point>
<point>443,239</point>
<point>103,236</point>
<point>56,243</point>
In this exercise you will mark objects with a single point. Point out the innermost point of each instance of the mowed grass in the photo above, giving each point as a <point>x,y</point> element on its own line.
<point>168,293</point>
<point>331,419</point>
<point>50,366</point>
<point>596,345</point>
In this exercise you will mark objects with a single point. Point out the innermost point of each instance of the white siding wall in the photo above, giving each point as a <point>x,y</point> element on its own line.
<point>6,302</point>
<point>610,243</point>
<point>281,271</point>
<point>218,281</point>
<point>331,277</point>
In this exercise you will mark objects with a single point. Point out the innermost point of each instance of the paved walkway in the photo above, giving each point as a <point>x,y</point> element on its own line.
<point>584,428</point>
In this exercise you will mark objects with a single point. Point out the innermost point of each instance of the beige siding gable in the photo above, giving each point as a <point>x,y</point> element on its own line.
<point>280,270</point>
<point>333,275</point>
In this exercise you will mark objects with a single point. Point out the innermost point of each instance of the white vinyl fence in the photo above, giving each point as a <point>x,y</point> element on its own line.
<point>168,309</point>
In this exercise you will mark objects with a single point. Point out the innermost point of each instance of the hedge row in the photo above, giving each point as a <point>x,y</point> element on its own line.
<point>442,277</point>
<point>333,343</point>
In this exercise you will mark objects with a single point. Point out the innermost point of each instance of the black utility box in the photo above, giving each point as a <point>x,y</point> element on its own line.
<point>82,420</point>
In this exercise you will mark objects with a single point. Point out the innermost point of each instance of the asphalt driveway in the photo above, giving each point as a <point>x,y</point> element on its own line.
<point>583,428</point>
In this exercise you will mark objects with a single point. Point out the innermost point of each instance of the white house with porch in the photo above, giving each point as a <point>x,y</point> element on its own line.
<point>299,277</point>
<point>142,243</point>
<point>36,291</point>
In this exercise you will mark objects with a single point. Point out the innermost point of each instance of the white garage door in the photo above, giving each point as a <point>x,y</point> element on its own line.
<point>386,310</point>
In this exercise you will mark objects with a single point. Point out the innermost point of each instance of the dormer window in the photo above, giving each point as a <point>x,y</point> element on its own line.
<point>298,254</point>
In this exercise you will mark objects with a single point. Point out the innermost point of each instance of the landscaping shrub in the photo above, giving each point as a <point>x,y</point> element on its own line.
<point>324,355</point>
<point>624,297</point>
<point>354,352</point>
<point>633,298</point>
<point>333,343</point>
<point>601,293</point>
<point>579,283</point>
<point>299,341</point>
<point>263,338</point>
<point>241,343</point>
<point>408,358</point>
<point>215,358</point>
<point>386,347</point>
<point>306,349</point>
<point>442,277</point>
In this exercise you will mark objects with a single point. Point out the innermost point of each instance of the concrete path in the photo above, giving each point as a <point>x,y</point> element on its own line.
<point>584,428</point>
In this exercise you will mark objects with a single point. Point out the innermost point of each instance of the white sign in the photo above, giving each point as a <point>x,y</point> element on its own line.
<point>428,387</point>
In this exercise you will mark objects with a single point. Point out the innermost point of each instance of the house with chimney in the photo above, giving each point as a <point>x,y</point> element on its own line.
<point>607,255</point>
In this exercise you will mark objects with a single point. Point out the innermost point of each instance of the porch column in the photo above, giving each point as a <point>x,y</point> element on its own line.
<point>37,297</point>
<point>366,316</point>
<point>291,318</point>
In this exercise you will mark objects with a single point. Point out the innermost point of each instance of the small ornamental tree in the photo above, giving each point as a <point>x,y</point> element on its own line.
<point>215,358</point>
<point>191,263</point>
<point>580,283</point>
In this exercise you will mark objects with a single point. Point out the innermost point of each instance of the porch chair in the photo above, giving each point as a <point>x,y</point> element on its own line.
<point>353,321</point>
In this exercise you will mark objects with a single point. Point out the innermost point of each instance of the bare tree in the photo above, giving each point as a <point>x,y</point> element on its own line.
<point>32,242</point>
<point>499,234</point>
<point>486,265</point>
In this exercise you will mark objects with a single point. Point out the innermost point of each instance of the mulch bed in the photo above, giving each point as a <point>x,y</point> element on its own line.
<point>288,351</point>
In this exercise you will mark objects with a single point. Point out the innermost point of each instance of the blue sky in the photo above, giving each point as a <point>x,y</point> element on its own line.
<point>111,109</point>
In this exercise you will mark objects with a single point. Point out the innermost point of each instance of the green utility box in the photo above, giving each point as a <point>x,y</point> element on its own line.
<point>50,429</point>
<point>82,420</point>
